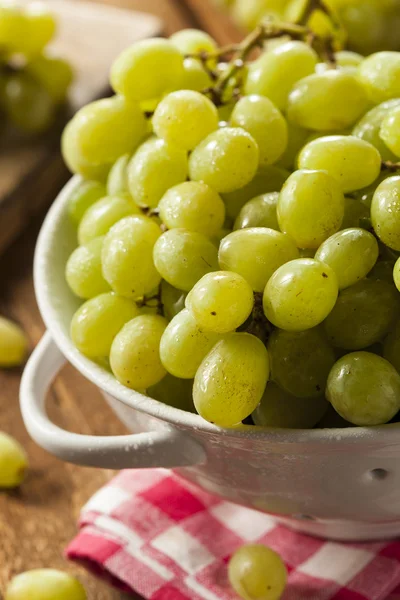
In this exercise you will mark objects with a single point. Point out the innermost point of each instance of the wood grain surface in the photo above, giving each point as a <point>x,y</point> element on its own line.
<point>38,520</point>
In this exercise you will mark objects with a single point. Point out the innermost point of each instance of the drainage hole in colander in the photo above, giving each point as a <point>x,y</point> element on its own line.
<point>378,474</point>
<point>304,517</point>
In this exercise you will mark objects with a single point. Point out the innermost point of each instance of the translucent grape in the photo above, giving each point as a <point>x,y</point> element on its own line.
<point>396,274</point>
<point>363,314</point>
<point>173,392</point>
<point>13,27</point>
<point>297,137</point>
<point>97,322</point>
<point>385,212</point>
<point>193,41</point>
<point>41,28</point>
<point>13,344</point>
<point>83,271</point>
<point>154,168</point>
<point>380,75</point>
<point>383,270</point>
<point>54,74</point>
<point>310,207</point>
<point>259,212</point>
<point>390,131</point>
<point>364,389</point>
<point>231,379</point>
<point>300,294</point>
<point>147,69</point>
<point>193,205</point>
<point>45,584</point>
<point>356,213</point>
<point>28,105</point>
<point>173,300</point>
<point>257,572</point>
<point>226,160</point>
<point>117,180</point>
<point>82,197</point>
<point>13,462</point>
<point>347,58</point>
<point>352,161</point>
<point>368,127</point>
<point>102,215</point>
<point>391,347</point>
<point>249,13</point>
<point>351,253</point>
<point>274,73</point>
<point>194,76</point>
<point>70,147</point>
<point>127,256</point>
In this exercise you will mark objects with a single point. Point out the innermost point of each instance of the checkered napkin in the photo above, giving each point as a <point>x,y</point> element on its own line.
<point>154,533</point>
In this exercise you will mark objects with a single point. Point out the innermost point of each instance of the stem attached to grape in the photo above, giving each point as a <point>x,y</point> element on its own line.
<point>388,165</point>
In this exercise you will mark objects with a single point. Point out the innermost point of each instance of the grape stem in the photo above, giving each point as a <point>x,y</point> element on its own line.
<point>388,165</point>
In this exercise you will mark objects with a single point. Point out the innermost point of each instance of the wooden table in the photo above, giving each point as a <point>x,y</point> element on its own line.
<point>38,520</point>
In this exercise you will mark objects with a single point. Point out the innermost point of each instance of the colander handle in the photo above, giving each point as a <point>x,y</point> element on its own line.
<point>169,448</point>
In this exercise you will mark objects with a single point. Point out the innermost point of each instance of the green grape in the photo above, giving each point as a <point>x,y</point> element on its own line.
<point>231,379</point>
<point>382,271</point>
<point>351,253</point>
<point>347,58</point>
<point>127,256</point>
<point>45,584</point>
<point>147,69</point>
<point>220,301</point>
<point>369,126</point>
<point>13,27</point>
<point>256,253</point>
<point>385,212</point>
<point>275,73</point>
<point>173,392</point>
<point>153,169</point>
<point>265,123</point>
<point>300,361</point>
<point>356,213</point>
<point>173,300</point>
<point>396,274</point>
<point>40,28</point>
<point>300,294</point>
<point>366,194</point>
<point>278,408</point>
<point>259,212</point>
<point>193,41</point>
<point>134,355</point>
<point>352,161</point>
<point>365,24</point>
<point>54,74</point>
<point>184,345</point>
<point>226,159</point>
<point>74,160</point>
<point>390,131</point>
<point>310,207</point>
<point>193,205</point>
<point>364,389</point>
<point>297,138</point>
<point>257,573</point>
<point>13,344</point>
<point>391,347</point>
<point>102,215</point>
<point>27,103</point>
<point>182,257</point>
<point>249,13</point>
<point>380,75</point>
<point>83,270</point>
<point>13,462</point>
<point>97,322</point>
<point>117,180</point>
<point>82,197</point>
<point>334,99</point>
<point>194,76</point>
<point>363,314</point>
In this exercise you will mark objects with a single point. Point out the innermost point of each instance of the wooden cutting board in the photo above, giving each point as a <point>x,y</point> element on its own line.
<point>89,36</point>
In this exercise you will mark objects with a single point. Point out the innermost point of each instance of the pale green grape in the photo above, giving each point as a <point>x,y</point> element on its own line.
<point>220,301</point>
<point>13,27</point>
<point>193,41</point>
<point>391,347</point>
<point>297,137</point>
<point>127,256</point>
<point>368,127</point>
<point>347,58</point>
<point>259,116</point>
<point>13,344</point>
<point>300,294</point>
<point>134,355</point>
<point>54,74</point>
<point>352,161</point>
<point>278,408</point>
<point>13,461</point>
<point>257,573</point>
<point>83,270</point>
<point>45,584</point>
<point>117,180</point>
<point>356,213</point>
<point>390,131</point>
<point>194,76</point>
<point>385,212</point>
<point>275,72</point>
<point>396,274</point>
<point>310,207</point>
<point>173,392</point>
<point>173,300</point>
<point>102,215</point>
<point>300,361</point>
<point>226,159</point>
<point>380,75</point>
<point>351,253</point>
<point>193,205</point>
<point>70,148</point>
<point>97,322</point>
<point>147,69</point>
<point>363,314</point>
<point>259,212</point>
<point>184,345</point>
<point>231,380</point>
<point>27,103</point>
<point>40,28</point>
<point>364,389</point>
<point>256,253</point>
<point>82,198</point>
<point>154,168</point>
<point>249,13</point>
<point>182,257</point>
<point>334,99</point>
<point>383,270</point>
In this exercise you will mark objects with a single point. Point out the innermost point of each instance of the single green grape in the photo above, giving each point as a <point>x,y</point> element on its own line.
<point>83,271</point>
<point>45,584</point>
<point>390,131</point>
<point>363,314</point>
<point>347,58</point>
<point>82,197</point>
<point>231,379</point>
<point>257,573</point>
<point>355,163</point>
<point>54,74</point>
<point>249,13</point>
<point>117,180</point>
<point>385,212</point>
<point>193,41</point>
<point>226,159</point>
<point>13,27</point>
<point>259,212</point>
<point>300,294</point>
<point>13,344</point>
<point>382,271</point>
<point>173,300</point>
<point>380,75</point>
<point>364,389</point>
<point>310,207</point>
<point>391,347</point>
<point>220,301</point>
<point>334,99</point>
<point>356,213</point>
<point>40,29</point>
<point>76,163</point>
<point>154,168</point>
<point>102,215</point>
<point>173,392</point>
<point>13,461</point>
<point>194,76</point>
<point>297,138</point>
<point>369,126</point>
<point>27,103</point>
<point>396,274</point>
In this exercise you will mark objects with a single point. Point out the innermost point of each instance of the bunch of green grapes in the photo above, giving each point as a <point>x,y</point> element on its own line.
<point>33,82</point>
<point>239,228</point>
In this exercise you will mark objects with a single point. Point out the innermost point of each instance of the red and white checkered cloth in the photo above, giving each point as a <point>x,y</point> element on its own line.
<point>154,533</point>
